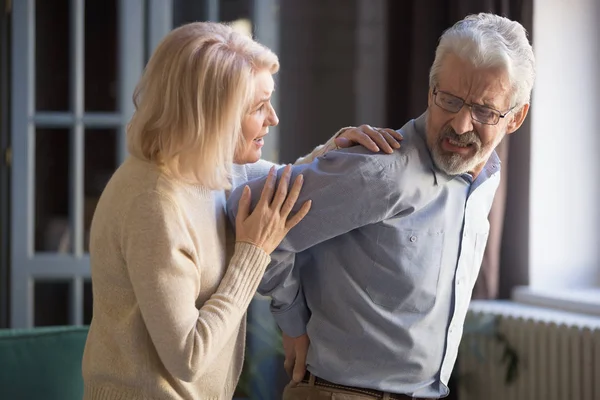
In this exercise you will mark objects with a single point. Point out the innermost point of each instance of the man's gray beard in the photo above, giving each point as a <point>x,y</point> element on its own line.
<point>453,163</point>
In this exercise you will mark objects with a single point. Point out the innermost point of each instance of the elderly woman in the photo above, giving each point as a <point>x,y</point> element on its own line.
<point>171,283</point>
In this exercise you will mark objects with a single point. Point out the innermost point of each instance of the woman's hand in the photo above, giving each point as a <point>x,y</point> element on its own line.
<point>374,139</point>
<point>268,224</point>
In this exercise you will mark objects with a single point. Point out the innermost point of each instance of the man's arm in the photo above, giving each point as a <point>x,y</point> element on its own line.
<point>349,189</point>
<point>374,139</point>
<point>260,168</point>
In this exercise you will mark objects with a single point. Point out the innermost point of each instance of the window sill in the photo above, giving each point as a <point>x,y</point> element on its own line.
<point>582,301</point>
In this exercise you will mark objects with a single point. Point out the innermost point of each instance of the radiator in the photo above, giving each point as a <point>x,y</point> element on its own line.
<point>555,355</point>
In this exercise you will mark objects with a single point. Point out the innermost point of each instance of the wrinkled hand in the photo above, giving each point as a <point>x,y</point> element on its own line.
<point>295,356</point>
<point>268,224</point>
<point>374,139</point>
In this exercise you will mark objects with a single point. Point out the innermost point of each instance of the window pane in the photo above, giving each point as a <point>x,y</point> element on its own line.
<point>52,229</point>
<point>101,55</point>
<point>87,302</point>
<point>100,163</point>
<point>52,299</point>
<point>52,49</point>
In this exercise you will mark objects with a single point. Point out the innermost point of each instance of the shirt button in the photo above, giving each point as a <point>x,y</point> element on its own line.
<point>413,239</point>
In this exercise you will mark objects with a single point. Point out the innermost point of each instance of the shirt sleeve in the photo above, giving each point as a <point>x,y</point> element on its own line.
<point>165,272</point>
<point>349,189</point>
<point>283,284</point>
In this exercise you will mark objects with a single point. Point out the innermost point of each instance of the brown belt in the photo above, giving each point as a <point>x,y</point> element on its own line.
<point>378,394</point>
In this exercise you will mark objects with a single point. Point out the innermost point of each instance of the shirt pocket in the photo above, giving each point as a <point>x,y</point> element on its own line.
<point>406,269</point>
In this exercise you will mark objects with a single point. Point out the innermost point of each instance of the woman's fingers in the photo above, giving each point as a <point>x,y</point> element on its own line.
<point>397,135</point>
<point>299,216</point>
<point>391,136</point>
<point>287,207</point>
<point>374,139</point>
<point>292,197</point>
<point>361,135</point>
<point>377,136</point>
<point>243,206</point>
<point>282,188</point>
<point>267,192</point>
<point>268,223</point>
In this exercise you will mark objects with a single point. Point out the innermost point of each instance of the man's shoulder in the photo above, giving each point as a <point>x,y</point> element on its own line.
<point>412,155</point>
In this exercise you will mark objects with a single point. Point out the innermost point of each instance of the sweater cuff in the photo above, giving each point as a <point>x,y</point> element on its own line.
<point>322,149</point>
<point>245,271</point>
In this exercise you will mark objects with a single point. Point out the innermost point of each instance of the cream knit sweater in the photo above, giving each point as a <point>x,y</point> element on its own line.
<point>171,288</point>
<point>169,312</point>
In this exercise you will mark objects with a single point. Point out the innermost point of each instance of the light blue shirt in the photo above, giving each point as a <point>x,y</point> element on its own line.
<point>381,270</point>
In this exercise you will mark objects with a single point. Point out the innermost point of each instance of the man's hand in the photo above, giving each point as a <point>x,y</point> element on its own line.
<point>295,356</point>
<point>374,139</point>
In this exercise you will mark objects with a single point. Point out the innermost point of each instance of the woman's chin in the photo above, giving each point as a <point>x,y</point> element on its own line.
<point>248,158</point>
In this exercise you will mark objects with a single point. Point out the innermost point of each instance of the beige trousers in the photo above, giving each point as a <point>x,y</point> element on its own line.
<point>308,391</point>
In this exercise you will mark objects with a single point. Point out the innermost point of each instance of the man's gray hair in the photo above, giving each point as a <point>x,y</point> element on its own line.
<point>488,40</point>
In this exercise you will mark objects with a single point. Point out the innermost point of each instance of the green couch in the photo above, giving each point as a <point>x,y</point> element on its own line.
<point>42,363</point>
<point>45,363</point>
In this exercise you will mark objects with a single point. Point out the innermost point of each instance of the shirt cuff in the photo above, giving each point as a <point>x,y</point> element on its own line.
<point>294,319</point>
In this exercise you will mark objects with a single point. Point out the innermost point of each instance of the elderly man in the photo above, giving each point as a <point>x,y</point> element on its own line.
<point>379,274</point>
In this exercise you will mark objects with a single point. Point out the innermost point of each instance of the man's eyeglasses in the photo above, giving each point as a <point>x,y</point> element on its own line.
<point>453,104</point>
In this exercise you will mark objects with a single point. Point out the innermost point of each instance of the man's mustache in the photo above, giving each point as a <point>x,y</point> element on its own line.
<point>466,138</point>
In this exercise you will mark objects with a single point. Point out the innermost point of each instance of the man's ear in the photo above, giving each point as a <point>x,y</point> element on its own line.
<point>518,117</point>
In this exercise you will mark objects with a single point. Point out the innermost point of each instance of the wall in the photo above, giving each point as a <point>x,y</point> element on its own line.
<point>565,187</point>
<point>330,51</point>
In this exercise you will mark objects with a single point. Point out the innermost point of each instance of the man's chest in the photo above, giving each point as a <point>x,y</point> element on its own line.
<point>402,262</point>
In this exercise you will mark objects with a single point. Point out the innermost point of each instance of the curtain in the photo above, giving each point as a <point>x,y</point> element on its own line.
<point>414,30</point>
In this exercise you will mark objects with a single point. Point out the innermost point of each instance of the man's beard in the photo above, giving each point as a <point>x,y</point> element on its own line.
<point>455,163</point>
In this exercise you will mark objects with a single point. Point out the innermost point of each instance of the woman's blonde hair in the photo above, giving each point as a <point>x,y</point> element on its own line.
<point>191,99</point>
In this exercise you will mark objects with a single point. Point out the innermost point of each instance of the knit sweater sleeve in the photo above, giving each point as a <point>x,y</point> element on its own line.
<point>165,270</point>
<point>321,149</point>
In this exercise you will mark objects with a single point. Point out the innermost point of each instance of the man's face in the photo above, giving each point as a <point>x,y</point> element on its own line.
<point>458,142</point>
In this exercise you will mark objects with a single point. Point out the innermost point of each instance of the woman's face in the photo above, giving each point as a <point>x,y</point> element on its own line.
<point>255,124</point>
